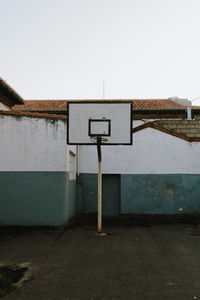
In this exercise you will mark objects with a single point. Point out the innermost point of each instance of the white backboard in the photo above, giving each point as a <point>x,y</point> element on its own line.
<point>111,120</point>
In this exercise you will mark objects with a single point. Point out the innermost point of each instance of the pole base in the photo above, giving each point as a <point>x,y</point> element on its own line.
<point>100,233</point>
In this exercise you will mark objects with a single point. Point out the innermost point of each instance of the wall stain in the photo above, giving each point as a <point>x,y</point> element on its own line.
<point>150,187</point>
<point>169,191</point>
<point>18,118</point>
<point>156,201</point>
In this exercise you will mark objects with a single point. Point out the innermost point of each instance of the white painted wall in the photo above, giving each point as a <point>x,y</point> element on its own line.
<point>39,144</point>
<point>153,152</point>
<point>32,144</point>
<point>140,122</point>
<point>3,106</point>
<point>71,161</point>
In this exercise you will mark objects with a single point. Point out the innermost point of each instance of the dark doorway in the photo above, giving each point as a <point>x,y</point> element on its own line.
<point>111,194</point>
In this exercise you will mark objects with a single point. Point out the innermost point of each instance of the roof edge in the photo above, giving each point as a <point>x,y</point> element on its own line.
<point>31,114</point>
<point>10,93</point>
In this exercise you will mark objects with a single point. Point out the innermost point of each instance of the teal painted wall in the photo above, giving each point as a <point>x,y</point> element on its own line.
<point>36,198</point>
<point>147,194</point>
<point>111,199</point>
<point>71,202</point>
<point>160,194</point>
<point>87,193</point>
<point>49,198</point>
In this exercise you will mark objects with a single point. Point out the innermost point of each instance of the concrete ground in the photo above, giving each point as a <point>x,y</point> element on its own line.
<point>142,261</point>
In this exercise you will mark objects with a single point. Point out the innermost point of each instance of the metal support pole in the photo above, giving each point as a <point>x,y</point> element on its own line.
<point>99,186</point>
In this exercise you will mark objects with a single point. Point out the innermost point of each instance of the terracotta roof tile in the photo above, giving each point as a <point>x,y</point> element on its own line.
<point>156,104</point>
<point>41,105</point>
<point>60,105</point>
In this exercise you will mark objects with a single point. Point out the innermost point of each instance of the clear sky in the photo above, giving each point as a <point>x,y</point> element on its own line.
<point>64,49</point>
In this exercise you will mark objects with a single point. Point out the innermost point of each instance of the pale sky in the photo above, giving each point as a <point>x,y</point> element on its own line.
<point>64,49</point>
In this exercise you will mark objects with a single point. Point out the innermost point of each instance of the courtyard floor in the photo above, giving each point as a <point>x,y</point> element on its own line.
<point>139,261</point>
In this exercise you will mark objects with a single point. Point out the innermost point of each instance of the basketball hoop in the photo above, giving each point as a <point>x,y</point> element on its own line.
<point>102,124</point>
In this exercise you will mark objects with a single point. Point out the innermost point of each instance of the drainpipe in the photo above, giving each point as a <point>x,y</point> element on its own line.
<point>189,113</point>
<point>77,160</point>
<point>78,206</point>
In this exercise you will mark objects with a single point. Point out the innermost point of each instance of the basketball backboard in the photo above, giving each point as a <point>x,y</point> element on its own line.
<point>112,121</point>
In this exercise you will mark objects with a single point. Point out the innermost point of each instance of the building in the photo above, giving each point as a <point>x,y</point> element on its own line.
<point>44,181</point>
<point>8,96</point>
